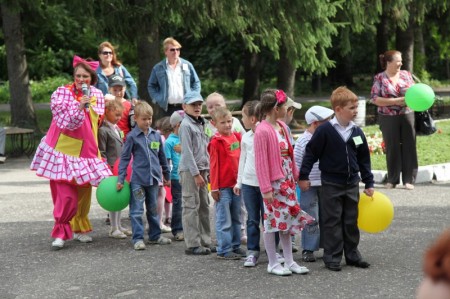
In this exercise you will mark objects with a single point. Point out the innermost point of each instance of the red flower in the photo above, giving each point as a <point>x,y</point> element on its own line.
<point>265,216</point>
<point>273,223</point>
<point>269,208</point>
<point>282,205</point>
<point>293,211</point>
<point>276,203</point>
<point>282,226</point>
<point>291,197</point>
<point>277,214</point>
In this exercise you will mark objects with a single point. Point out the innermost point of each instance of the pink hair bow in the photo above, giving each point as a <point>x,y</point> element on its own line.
<point>281,97</point>
<point>93,64</point>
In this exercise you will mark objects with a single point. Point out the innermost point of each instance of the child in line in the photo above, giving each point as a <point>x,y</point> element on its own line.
<point>172,149</point>
<point>145,145</point>
<point>247,184</point>
<point>344,158</point>
<point>164,205</point>
<point>310,199</point>
<point>117,88</point>
<point>213,101</point>
<point>224,151</point>
<point>194,171</point>
<point>277,173</point>
<point>110,145</point>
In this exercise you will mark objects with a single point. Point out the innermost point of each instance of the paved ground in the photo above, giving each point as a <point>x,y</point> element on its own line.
<point>110,268</point>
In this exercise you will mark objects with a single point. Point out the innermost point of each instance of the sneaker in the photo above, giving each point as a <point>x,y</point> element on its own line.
<point>160,241</point>
<point>251,261</point>
<point>197,251</point>
<point>139,245</point>
<point>240,251</point>
<point>165,229</point>
<point>126,231</point>
<point>58,244</point>
<point>179,237</point>
<point>229,256</point>
<point>280,258</point>
<point>83,238</point>
<point>308,256</point>
<point>296,268</point>
<point>117,234</point>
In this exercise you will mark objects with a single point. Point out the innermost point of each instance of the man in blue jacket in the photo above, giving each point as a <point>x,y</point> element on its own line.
<point>172,78</point>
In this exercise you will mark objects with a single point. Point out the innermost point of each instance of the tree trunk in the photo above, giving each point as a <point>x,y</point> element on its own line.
<point>405,44</point>
<point>22,110</point>
<point>382,38</point>
<point>252,70</point>
<point>286,74</point>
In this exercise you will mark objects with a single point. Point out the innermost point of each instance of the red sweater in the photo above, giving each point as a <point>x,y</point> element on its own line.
<point>224,152</point>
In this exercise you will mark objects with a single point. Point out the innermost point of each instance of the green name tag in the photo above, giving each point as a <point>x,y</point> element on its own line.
<point>234,145</point>
<point>357,140</point>
<point>154,145</point>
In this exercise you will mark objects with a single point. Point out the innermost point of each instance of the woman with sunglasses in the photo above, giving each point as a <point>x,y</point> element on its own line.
<point>172,78</point>
<point>109,65</point>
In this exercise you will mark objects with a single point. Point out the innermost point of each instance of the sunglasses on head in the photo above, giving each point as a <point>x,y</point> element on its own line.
<point>107,53</point>
<point>175,49</point>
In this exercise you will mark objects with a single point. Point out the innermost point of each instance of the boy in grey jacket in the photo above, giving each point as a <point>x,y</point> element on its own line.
<point>194,171</point>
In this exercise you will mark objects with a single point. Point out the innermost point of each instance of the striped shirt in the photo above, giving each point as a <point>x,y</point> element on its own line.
<point>299,152</point>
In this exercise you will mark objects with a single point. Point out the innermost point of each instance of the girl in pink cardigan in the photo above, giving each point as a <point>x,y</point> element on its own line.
<point>277,174</point>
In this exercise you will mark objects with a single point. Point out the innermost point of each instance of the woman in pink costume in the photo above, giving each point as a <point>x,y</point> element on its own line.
<point>69,156</point>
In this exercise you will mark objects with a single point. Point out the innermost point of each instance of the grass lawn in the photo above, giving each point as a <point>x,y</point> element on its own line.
<point>431,149</point>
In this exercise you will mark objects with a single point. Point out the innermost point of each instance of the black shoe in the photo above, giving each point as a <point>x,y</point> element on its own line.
<point>359,264</point>
<point>333,267</point>
<point>197,251</point>
<point>308,256</point>
<point>211,248</point>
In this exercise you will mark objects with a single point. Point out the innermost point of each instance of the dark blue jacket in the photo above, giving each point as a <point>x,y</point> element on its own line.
<point>340,162</point>
<point>148,158</point>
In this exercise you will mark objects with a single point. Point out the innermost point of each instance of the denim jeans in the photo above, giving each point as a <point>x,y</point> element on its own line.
<point>148,195</point>
<point>176,224</point>
<point>252,198</point>
<point>228,224</point>
<point>311,232</point>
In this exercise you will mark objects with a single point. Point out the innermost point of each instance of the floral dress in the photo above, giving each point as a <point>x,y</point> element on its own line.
<point>284,213</point>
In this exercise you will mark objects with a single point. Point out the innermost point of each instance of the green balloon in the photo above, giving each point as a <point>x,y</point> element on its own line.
<point>419,97</point>
<point>109,198</point>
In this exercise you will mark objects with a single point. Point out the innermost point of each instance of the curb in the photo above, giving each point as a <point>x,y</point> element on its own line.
<point>425,174</point>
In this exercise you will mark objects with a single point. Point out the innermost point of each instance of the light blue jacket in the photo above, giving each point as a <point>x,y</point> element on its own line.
<point>102,82</point>
<point>158,83</point>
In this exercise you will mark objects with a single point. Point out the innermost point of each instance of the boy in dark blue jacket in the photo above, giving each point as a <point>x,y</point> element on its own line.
<point>344,158</point>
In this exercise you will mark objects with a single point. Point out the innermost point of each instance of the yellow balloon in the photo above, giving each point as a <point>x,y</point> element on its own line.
<point>209,187</point>
<point>375,213</point>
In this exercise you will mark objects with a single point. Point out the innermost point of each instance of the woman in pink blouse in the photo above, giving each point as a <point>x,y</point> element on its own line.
<point>396,120</point>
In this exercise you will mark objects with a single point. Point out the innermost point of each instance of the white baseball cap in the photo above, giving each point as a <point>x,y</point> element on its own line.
<point>291,103</point>
<point>317,113</point>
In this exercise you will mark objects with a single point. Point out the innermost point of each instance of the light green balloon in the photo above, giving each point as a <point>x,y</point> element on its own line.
<point>419,97</point>
<point>109,198</point>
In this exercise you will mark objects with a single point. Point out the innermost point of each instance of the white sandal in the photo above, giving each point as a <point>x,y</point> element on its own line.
<point>280,272</point>
<point>296,268</point>
<point>83,238</point>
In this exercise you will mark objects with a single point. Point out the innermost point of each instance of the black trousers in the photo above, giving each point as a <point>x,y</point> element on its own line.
<point>399,137</point>
<point>338,219</point>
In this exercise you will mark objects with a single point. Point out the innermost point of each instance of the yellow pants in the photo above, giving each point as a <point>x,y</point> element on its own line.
<point>80,222</point>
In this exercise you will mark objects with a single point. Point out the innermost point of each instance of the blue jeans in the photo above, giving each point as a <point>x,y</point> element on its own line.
<point>139,196</point>
<point>228,224</point>
<point>176,224</point>
<point>311,232</point>
<point>255,209</point>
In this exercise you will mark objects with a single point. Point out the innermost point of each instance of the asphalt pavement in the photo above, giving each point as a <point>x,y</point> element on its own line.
<point>110,268</point>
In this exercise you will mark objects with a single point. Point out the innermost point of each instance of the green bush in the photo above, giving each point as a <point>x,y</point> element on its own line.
<point>231,90</point>
<point>40,90</point>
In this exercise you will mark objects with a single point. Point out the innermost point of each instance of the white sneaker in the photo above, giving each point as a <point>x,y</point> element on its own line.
<point>58,244</point>
<point>139,245</point>
<point>83,238</point>
<point>165,229</point>
<point>280,258</point>
<point>117,234</point>
<point>296,268</point>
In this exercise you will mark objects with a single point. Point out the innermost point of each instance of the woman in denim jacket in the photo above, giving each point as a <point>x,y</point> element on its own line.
<point>109,65</point>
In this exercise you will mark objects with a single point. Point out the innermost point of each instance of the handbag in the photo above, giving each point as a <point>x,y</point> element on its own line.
<point>424,123</point>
